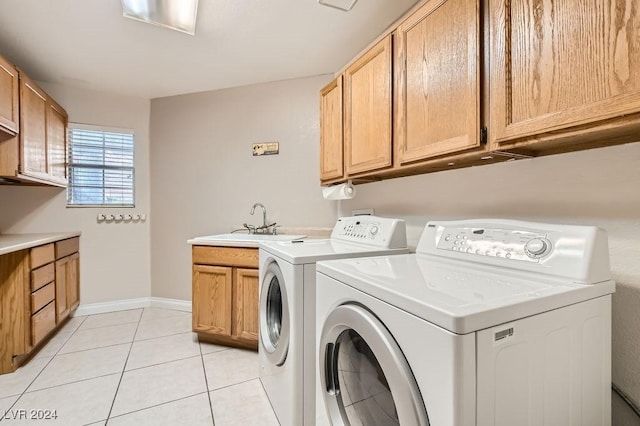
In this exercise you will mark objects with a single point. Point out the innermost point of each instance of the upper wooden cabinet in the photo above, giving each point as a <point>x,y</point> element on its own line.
<point>57,121</point>
<point>33,128</point>
<point>9,89</point>
<point>38,154</point>
<point>368,109</point>
<point>331,135</point>
<point>556,67</point>
<point>437,81</point>
<point>477,82</point>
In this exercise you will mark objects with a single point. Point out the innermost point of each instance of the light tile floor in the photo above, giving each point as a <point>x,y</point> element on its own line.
<point>135,367</point>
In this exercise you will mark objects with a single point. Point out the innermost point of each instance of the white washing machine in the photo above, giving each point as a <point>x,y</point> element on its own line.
<point>287,306</point>
<point>491,322</point>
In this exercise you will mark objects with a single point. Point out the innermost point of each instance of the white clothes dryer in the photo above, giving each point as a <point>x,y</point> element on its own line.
<point>491,322</point>
<point>286,350</point>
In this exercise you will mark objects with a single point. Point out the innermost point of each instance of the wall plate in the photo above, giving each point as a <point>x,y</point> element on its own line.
<point>266,148</point>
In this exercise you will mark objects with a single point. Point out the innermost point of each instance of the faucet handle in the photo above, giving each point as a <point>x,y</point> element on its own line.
<point>251,228</point>
<point>275,229</point>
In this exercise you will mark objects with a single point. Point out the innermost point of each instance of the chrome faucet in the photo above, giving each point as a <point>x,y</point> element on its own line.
<point>264,228</point>
<point>264,213</point>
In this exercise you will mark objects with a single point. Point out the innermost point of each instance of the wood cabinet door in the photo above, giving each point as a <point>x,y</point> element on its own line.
<point>556,65</point>
<point>56,142</point>
<point>212,299</point>
<point>62,277</point>
<point>9,89</point>
<point>33,129</point>
<point>437,80</point>
<point>15,313</point>
<point>67,285</point>
<point>367,108</point>
<point>73,281</point>
<point>331,136</point>
<point>246,304</point>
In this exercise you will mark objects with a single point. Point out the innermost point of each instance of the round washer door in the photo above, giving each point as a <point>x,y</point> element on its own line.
<point>274,314</point>
<point>364,375</point>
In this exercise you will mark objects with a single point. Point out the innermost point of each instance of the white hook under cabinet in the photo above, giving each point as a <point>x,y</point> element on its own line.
<point>121,218</point>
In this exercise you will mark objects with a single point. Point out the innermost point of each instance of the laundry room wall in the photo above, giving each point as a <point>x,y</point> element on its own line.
<point>114,258</point>
<point>594,187</point>
<point>205,179</point>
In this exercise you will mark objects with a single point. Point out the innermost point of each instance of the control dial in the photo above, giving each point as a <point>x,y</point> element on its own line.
<point>374,230</point>
<point>537,247</point>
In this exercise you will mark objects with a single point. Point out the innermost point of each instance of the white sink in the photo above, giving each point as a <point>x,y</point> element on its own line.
<point>241,240</point>
<point>251,237</point>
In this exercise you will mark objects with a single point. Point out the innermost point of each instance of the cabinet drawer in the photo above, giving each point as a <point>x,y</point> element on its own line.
<point>42,255</point>
<point>43,322</point>
<point>225,256</point>
<point>43,296</point>
<point>66,247</point>
<point>42,276</point>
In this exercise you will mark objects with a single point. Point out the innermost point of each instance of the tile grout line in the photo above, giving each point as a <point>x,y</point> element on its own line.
<point>157,337</point>
<point>206,383</point>
<point>269,401</point>
<point>109,325</point>
<point>115,395</point>
<point>71,383</point>
<point>239,383</point>
<point>156,405</point>
<point>20,395</point>
<point>93,349</point>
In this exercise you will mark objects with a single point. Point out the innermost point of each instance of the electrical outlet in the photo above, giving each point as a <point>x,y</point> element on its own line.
<point>362,212</point>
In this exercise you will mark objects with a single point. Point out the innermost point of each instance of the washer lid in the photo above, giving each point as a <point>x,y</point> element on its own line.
<point>458,296</point>
<point>312,250</point>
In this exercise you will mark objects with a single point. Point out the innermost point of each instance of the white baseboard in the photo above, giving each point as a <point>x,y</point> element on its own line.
<point>141,302</point>
<point>175,304</point>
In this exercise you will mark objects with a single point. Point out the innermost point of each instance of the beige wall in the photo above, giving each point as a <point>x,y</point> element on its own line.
<point>114,258</point>
<point>597,187</point>
<point>205,179</point>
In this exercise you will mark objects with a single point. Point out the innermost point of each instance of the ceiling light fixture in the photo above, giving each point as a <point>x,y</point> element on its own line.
<point>179,15</point>
<point>345,5</point>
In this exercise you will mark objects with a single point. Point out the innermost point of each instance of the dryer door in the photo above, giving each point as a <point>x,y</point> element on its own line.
<point>365,377</point>
<point>274,314</point>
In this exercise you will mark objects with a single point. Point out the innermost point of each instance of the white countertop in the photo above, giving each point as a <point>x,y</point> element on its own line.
<point>240,240</point>
<point>15,242</point>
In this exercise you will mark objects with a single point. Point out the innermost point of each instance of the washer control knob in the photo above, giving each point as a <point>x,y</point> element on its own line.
<point>374,230</point>
<point>537,247</point>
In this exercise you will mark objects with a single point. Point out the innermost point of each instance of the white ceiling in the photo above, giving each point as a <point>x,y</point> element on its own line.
<point>87,43</point>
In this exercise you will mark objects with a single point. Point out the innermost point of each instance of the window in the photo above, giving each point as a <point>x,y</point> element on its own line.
<point>101,166</point>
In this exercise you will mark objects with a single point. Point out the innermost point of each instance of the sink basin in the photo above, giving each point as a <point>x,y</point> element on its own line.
<point>251,237</point>
<point>241,240</point>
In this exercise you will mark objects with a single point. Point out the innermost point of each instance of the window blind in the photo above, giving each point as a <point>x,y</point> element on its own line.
<point>101,167</point>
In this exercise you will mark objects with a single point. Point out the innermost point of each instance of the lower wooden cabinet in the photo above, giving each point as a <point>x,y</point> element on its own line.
<point>43,322</point>
<point>225,295</point>
<point>39,289</point>
<point>246,303</point>
<point>14,316</point>
<point>67,285</point>
<point>212,287</point>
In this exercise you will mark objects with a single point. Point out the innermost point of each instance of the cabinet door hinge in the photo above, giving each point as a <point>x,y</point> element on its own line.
<point>483,135</point>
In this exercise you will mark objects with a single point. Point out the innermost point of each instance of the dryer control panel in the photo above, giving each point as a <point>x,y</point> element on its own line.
<point>371,230</point>
<point>580,253</point>
<point>505,243</point>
